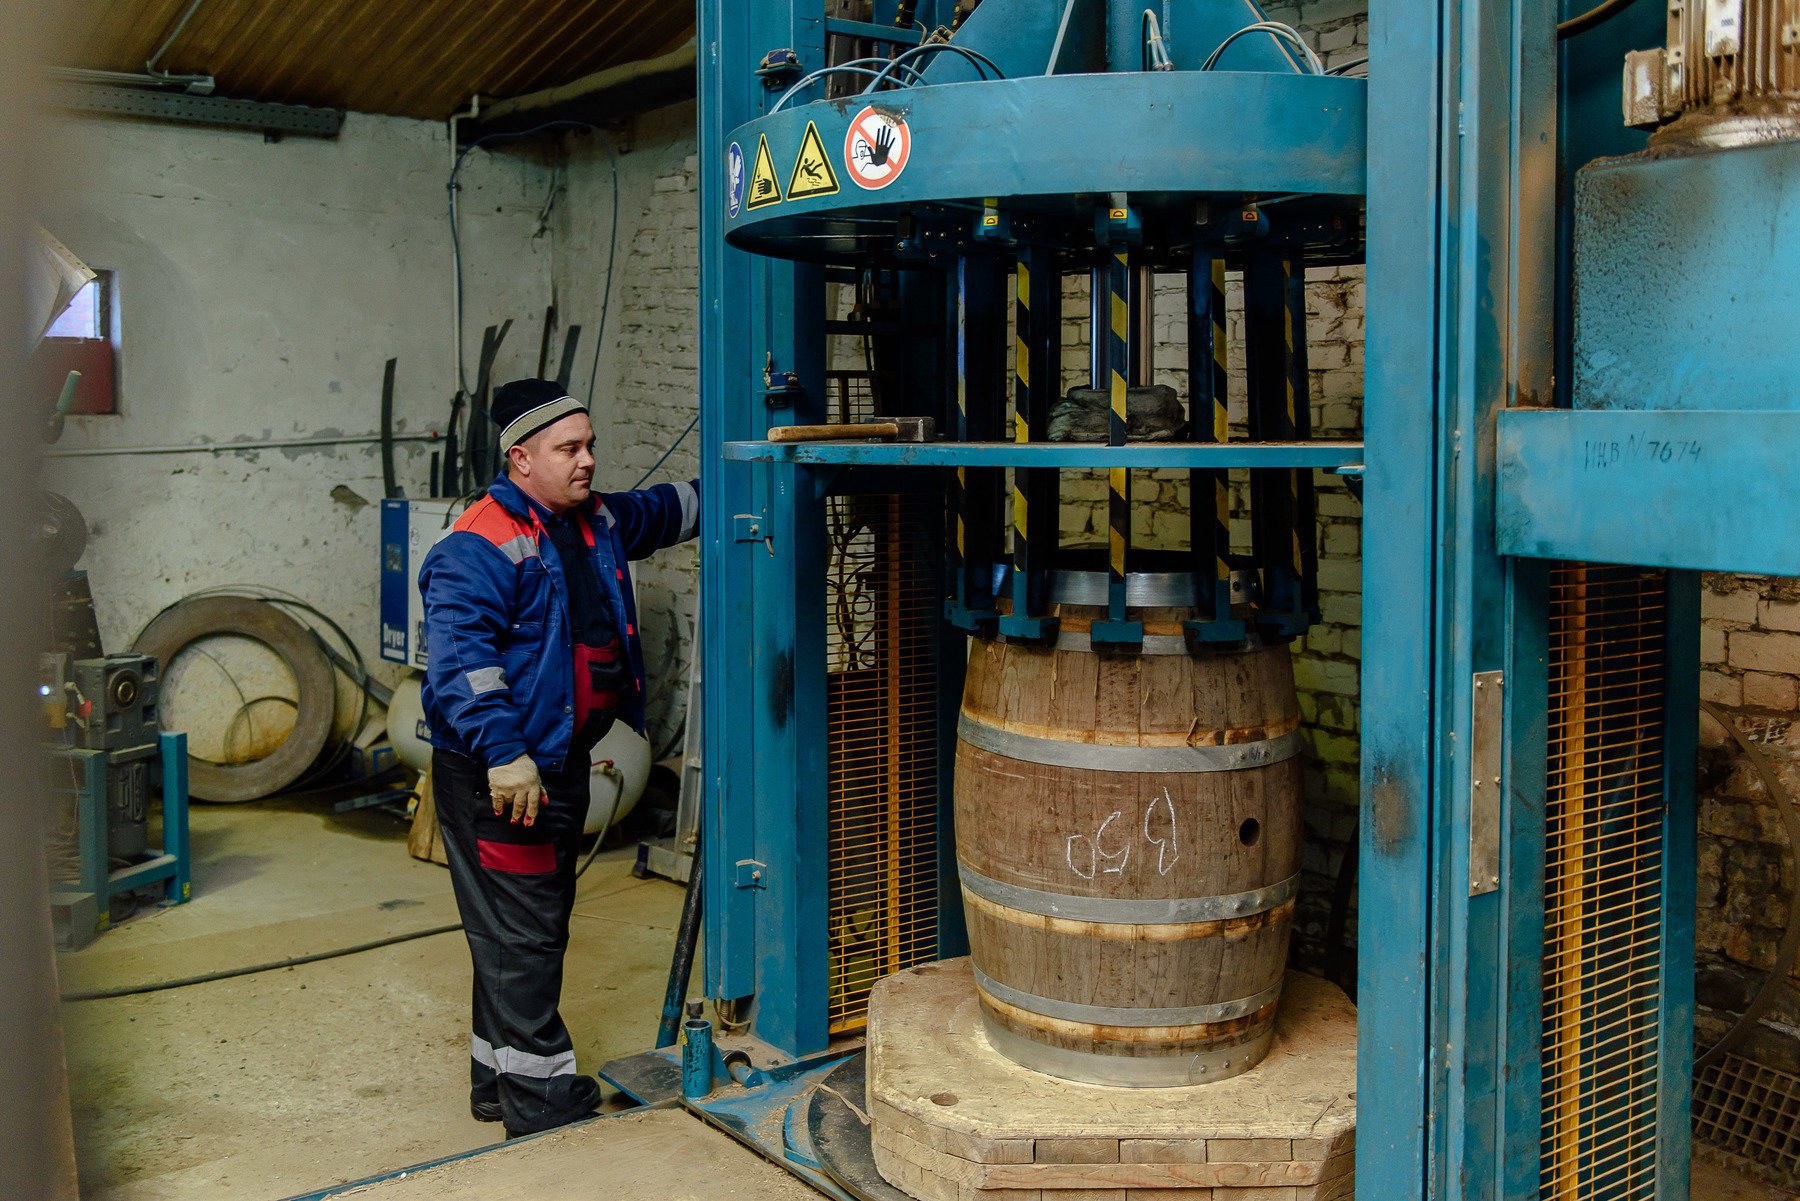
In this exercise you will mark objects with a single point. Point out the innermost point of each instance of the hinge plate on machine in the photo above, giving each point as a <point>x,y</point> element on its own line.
<point>1486,749</point>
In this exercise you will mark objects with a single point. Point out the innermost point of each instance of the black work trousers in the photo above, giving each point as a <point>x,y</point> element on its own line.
<point>515,886</point>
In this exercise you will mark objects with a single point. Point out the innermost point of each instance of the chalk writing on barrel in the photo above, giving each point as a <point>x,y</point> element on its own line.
<point>1086,856</point>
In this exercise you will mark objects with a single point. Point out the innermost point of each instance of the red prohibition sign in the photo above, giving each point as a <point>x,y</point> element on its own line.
<point>876,148</point>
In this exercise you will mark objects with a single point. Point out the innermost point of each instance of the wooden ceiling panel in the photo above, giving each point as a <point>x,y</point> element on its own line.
<point>411,58</point>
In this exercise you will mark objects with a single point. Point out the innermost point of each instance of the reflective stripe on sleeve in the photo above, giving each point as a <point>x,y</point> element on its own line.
<point>486,679</point>
<point>518,548</point>
<point>690,509</point>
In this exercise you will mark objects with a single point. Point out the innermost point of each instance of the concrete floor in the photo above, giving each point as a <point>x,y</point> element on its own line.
<point>1715,1182</point>
<point>283,1082</point>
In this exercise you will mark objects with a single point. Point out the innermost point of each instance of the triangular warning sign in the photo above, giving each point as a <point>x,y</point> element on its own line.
<point>765,189</point>
<point>812,175</point>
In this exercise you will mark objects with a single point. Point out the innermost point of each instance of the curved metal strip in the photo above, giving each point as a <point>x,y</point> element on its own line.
<point>1154,644</point>
<point>1135,1016</point>
<point>1053,752</point>
<point>1130,1071</point>
<point>1114,911</point>
<point>1143,589</point>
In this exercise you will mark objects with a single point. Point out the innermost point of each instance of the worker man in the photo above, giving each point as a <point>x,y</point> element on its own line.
<point>532,638</point>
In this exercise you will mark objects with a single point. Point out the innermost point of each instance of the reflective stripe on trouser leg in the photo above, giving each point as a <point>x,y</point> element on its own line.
<point>517,925</point>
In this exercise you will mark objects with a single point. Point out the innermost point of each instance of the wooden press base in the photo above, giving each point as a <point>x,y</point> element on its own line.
<point>954,1120</point>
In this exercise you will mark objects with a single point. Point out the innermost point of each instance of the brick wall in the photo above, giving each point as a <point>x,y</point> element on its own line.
<point>1750,656</point>
<point>648,380</point>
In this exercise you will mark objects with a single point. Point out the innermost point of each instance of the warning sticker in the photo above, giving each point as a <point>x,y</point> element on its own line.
<point>765,189</point>
<point>876,148</point>
<point>812,175</point>
<point>734,179</point>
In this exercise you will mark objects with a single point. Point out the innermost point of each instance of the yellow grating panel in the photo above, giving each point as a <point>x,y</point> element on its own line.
<point>1752,1112</point>
<point>881,653</point>
<point>882,658</point>
<point>1604,805</point>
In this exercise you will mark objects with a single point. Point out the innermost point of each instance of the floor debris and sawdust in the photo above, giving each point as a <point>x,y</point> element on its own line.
<point>279,1083</point>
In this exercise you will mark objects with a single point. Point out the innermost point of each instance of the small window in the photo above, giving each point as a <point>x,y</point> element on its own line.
<point>85,339</point>
<point>86,315</point>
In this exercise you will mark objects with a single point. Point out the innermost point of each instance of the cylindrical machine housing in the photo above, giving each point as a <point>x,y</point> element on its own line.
<point>1128,835</point>
<point>1729,74</point>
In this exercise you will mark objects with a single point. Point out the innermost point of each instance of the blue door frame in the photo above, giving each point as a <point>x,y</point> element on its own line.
<point>1463,145</point>
<point>1461,226</point>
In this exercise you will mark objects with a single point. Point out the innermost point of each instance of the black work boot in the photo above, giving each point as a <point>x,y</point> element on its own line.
<point>583,1099</point>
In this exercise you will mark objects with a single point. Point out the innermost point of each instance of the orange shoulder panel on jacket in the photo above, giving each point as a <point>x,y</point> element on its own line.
<point>490,520</point>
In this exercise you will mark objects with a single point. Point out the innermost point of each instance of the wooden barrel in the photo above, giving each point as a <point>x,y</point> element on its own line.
<point>1128,834</point>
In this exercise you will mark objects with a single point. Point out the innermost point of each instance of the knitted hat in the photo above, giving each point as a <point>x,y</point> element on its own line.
<point>525,406</point>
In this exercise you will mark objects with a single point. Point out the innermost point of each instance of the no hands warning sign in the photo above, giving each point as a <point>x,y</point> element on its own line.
<point>876,148</point>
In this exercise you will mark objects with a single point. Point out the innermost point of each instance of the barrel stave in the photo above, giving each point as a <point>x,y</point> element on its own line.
<point>1129,833</point>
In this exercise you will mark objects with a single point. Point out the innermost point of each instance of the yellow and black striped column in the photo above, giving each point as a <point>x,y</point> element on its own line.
<point>1269,336</point>
<point>1036,379</point>
<point>1306,504</point>
<point>1293,394</point>
<point>977,494</point>
<point>1118,478</point>
<point>956,482</point>
<point>1209,490</point>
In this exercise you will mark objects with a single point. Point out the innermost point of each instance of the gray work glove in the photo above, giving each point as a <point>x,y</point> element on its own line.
<point>516,785</point>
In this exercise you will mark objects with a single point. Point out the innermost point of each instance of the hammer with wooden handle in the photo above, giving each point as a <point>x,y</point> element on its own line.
<point>893,429</point>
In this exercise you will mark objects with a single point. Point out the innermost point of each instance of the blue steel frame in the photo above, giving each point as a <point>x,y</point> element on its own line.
<point>763,560</point>
<point>1458,332</point>
<point>1462,147</point>
<point>764,837</point>
<point>89,904</point>
<point>762,352</point>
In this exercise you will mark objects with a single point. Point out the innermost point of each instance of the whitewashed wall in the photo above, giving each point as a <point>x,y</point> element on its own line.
<point>262,286</point>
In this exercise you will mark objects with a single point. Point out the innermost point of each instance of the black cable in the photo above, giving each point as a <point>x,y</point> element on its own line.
<point>359,675</point>
<point>104,994</point>
<point>679,439</point>
<point>1597,15</point>
<point>905,58</point>
<point>674,740</point>
<point>612,249</point>
<point>455,230</point>
<point>132,990</point>
<point>687,936</point>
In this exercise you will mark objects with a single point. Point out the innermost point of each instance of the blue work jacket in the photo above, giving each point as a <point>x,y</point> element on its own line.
<point>499,681</point>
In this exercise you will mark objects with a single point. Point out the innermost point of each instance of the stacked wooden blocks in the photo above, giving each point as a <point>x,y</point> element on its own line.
<point>952,1120</point>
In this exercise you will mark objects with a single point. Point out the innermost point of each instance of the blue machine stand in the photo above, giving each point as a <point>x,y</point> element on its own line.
<point>83,908</point>
<point>744,1087</point>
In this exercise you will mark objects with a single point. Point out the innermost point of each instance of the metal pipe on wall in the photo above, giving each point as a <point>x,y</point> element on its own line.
<point>190,448</point>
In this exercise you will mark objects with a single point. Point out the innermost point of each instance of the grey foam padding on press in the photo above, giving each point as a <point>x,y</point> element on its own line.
<point>1152,414</point>
<point>191,620</point>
